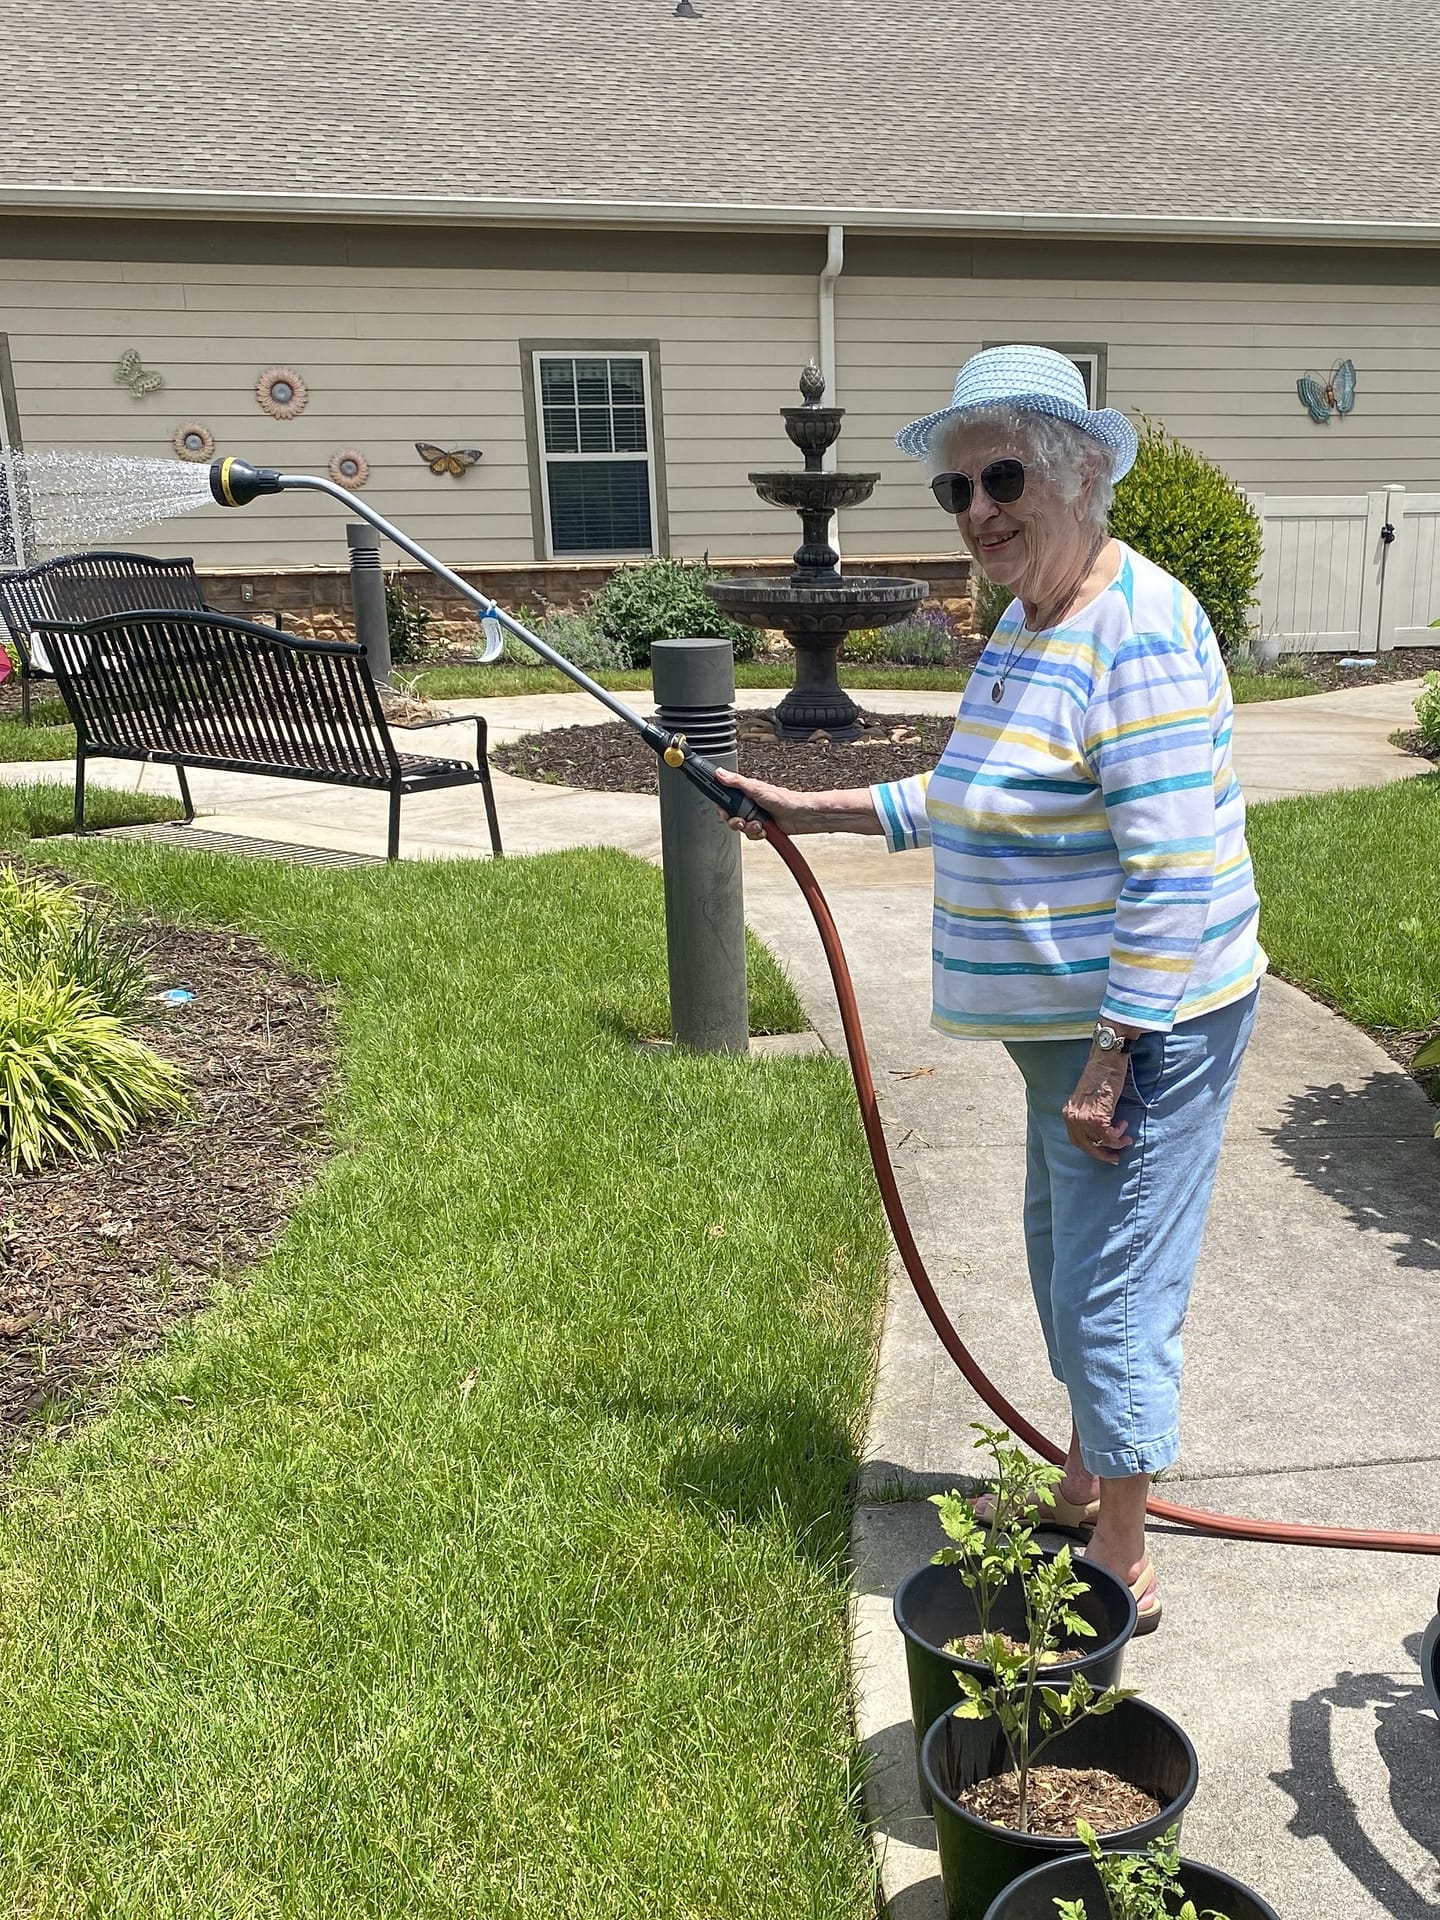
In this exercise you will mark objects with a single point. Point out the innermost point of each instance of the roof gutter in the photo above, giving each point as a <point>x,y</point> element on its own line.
<point>452,210</point>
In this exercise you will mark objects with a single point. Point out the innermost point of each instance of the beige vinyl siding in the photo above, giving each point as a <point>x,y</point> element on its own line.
<point>418,339</point>
<point>394,355</point>
<point>1215,362</point>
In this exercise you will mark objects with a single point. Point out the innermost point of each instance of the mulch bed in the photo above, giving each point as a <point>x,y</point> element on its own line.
<point>99,1257</point>
<point>1059,1796</point>
<point>1412,743</point>
<point>1402,663</point>
<point>614,759</point>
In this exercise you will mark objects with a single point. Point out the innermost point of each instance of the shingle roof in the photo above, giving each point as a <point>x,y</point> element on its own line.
<point>1202,110</point>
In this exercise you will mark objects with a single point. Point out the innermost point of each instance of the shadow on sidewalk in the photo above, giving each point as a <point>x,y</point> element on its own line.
<point>1359,1146</point>
<point>1407,1742</point>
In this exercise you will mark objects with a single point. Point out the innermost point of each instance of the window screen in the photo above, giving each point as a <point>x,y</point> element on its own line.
<point>595,441</point>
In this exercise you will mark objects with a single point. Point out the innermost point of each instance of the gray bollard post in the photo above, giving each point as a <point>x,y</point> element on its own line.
<point>704,906</point>
<point>367,599</point>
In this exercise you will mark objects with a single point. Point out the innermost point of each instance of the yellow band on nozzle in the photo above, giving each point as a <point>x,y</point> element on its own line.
<point>225,466</point>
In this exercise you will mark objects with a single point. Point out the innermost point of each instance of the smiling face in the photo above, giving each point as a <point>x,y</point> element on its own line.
<point>1032,545</point>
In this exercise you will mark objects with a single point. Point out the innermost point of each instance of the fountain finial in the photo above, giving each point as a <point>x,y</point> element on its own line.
<point>812,385</point>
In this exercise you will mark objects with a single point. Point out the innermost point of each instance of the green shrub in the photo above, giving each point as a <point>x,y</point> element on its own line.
<point>72,1080</point>
<point>409,622</point>
<point>1427,711</point>
<point>928,639</point>
<point>1179,510</point>
<point>990,601</point>
<point>573,634</point>
<point>664,600</point>
<point>866,647</point>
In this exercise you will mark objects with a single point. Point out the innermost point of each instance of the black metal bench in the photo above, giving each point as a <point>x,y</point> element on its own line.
<point>203,690</point>
<point>88,586</point>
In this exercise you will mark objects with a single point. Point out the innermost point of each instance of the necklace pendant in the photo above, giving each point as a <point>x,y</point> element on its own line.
<point>997,692</point>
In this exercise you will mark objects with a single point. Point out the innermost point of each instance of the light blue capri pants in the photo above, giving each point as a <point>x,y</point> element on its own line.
<point>1112,1249</point>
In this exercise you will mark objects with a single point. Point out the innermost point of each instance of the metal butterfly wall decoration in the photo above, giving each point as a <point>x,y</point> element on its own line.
<point>456,464</point>
<point>129,373</point>
<point>1324,397</point>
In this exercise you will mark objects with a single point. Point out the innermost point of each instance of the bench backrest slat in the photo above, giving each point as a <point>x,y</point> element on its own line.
<point>88,586</point>
<point>210,688</point>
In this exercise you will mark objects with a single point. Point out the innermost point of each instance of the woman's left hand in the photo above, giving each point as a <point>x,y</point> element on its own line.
<point>1089,1113</point>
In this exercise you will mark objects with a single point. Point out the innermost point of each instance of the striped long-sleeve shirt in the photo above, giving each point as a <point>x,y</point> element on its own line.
<point>1088,829</point>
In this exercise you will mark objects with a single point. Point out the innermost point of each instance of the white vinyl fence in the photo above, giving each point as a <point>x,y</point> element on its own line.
<point>1350,572</point>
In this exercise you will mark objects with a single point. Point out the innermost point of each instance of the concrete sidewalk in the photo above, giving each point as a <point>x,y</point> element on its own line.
<point>1311,1388</point>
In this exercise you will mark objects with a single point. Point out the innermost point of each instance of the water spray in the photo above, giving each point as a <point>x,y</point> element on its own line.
<point>235,483</point>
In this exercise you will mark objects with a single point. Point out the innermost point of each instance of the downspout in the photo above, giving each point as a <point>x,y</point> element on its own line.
<point>830,273</point>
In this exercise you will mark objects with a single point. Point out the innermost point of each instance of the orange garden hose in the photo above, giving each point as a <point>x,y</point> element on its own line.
<point>1227,1526</point>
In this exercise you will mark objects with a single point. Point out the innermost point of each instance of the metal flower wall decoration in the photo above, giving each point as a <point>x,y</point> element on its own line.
<point>348,468</point>
<point>1324,396</point>
<point>282,393</point>
<point>193,442</point>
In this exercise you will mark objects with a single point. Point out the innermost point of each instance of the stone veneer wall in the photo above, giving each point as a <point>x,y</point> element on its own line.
<point>305,597</point>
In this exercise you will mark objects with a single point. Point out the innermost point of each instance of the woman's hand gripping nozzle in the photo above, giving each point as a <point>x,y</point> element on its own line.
<point>713,783</point>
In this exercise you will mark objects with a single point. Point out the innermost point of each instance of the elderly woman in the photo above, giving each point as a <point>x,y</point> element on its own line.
<point>1095,908</point>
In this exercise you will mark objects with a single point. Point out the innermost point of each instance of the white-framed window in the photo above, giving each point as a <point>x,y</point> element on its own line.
<point>596,451</point>
<point>1088,357</point>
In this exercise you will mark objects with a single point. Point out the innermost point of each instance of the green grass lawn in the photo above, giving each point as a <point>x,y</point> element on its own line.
<point>485,1553</point>
<point>34,812</point>
<point>483,683</point>
<point>1350,898</point>
<point>49,735</point>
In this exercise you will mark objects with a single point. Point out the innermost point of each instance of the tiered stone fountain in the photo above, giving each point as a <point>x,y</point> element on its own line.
<point>816,607</point>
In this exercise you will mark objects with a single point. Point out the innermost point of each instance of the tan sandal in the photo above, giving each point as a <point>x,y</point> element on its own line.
<point>1047,1507</point>
<point>1147,1598</point>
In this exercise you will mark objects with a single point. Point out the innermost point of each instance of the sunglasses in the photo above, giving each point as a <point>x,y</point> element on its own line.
<point>1003,481</point>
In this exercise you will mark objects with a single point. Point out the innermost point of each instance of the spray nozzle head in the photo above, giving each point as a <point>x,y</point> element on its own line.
<point>235,483</point>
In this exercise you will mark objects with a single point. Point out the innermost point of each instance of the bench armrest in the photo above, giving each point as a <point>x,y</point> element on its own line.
<point>450,720</point>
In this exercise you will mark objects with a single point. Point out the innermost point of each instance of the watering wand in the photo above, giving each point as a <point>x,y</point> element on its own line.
<point>235,483</point>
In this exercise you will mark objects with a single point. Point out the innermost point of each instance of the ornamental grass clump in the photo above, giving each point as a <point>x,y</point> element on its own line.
<point>987,1555</point>
<point>50,929</point>
<point>1138,1886</point>
<point>73,1079</point>
<point>1181,511</point>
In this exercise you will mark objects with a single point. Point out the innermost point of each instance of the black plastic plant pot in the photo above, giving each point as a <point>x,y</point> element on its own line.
<point>1136,1742</point>
<point>1033,1895</point>
<point>1430,1659</point>
<point>933,1605</point>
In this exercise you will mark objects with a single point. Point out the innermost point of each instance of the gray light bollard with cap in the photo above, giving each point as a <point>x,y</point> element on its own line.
<point>367,599</point>
<point>704,906</point>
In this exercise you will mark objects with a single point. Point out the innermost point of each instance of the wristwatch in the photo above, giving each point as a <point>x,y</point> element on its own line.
<point>1109,1039</point>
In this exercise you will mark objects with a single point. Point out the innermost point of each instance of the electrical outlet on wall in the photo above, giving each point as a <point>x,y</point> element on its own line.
<point>247,592</point>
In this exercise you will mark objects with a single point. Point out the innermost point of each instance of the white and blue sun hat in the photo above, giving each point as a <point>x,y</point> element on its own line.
<point>1036,380</point>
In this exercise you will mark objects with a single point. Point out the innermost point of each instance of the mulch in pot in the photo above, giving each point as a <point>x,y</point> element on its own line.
<point>614,759</point>
<point>971,1646</point>
<point>1059,1796</point>
<point>99,1257</point>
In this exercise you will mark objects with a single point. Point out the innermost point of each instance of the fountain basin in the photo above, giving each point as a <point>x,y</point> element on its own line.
<point>815,620</point>
<point>819,615</point>
<point>813,492</point>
